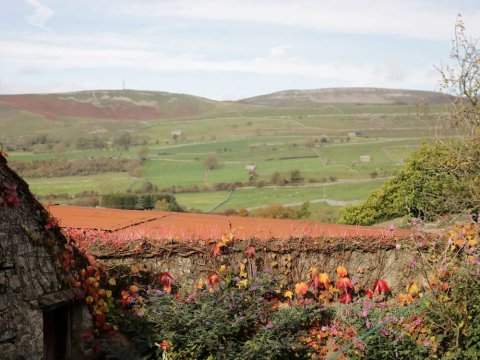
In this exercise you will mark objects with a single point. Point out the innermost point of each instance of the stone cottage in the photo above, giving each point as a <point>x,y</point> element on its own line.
<point>39,317</point>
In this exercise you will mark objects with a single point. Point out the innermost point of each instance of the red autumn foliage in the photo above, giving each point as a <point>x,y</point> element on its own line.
<point>212,279</point>
<point>216,251</point>
<point>346,298</point>
<point>380,286</point>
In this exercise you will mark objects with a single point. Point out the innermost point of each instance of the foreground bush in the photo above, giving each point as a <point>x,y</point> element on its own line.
<point>439,178</point>
<point>239,312</point>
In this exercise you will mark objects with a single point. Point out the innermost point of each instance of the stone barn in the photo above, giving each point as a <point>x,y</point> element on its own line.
<point>39,317</point>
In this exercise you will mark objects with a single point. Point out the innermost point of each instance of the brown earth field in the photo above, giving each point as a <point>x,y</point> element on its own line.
<point>52,108</point>
<point>178,226</point>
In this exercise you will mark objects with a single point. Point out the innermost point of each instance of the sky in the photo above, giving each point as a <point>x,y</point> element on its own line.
<point>226,49</point>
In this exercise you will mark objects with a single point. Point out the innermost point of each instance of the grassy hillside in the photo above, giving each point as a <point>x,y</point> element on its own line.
<point>320,97</point>
<point>109,104</point>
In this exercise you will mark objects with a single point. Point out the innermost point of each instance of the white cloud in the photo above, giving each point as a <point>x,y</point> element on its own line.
<point>41,14</point>
<point>405,18</point>
<point>59,58</point>
<point>277,51</point>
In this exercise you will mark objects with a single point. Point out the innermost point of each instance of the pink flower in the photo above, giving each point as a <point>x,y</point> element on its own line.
<point>250,252</point>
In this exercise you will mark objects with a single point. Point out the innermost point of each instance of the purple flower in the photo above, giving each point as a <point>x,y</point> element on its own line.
<point>359,345</point>
<point>269,325</point>
<point>367,304</point>
<point>237,278</point>
<point>413,263</point>
<point>158,292</point>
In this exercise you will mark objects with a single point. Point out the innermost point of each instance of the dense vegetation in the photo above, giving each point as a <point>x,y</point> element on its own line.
<point>439,178</point>
<point>81,167</point>
<point>159,201</point>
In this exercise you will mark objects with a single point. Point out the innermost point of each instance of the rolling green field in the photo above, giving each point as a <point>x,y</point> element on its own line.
<point>274,139</point>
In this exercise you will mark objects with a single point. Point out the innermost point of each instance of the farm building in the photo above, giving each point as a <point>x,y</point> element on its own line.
<point>176,133</point>
<point>39,318</point>
<point>251,167</point>
<point>365,158</point>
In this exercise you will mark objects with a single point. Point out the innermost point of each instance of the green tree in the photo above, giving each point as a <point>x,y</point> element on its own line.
<point>143,153</point>
<point>123,141</point>
<point>211,162</point>
<point>296,176</point>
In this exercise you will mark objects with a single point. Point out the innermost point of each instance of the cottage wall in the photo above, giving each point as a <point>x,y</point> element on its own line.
<point>29,280</point>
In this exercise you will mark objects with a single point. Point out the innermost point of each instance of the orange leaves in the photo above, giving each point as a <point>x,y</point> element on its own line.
<point>405,299</point>
<point>462,235</point>
<point>288,294</point>
<point>413,289</point>
<point>324,280</point>
<point>344,284</point>
<point>318,280</point>
<point>410,296</point>
<point>133,289</point>
<point>301,288</point>
<point>216,251</point>
<point>342,272</point>
<point>226,238</point>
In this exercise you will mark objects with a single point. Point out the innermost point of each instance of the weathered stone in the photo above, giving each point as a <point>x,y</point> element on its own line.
<point>14,282</point>
<point>3,302</point>
<point>8,351</point>
<point>27,271</point>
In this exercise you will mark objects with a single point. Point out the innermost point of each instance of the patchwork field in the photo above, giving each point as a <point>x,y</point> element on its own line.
<point>341,151</point>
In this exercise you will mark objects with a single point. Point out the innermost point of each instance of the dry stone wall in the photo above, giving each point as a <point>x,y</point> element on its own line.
<point>289,261</point>
<point>28,270</point>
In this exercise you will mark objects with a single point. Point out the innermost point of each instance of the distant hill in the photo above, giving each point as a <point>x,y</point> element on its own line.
<point>149,105</point>
<point>110,104</point>
<point>319,97</point>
